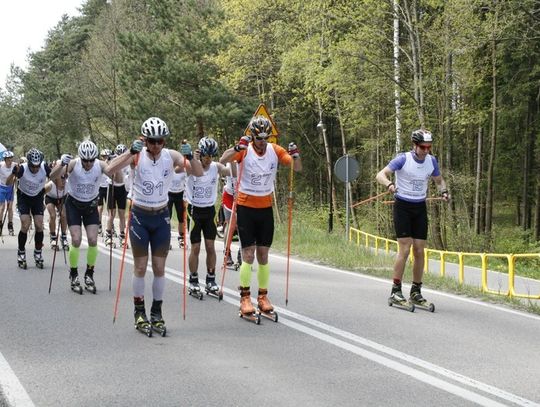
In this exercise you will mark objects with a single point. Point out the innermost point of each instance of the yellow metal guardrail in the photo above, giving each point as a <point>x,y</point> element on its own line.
<point>376,242</point>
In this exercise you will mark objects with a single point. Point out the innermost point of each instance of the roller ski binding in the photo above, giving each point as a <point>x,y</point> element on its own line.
<point>10,229</point>
<point>21,259</point>
<point>75,283</point>
<point>141,321</point>
<point>64,242</point>
<point>397,298</point>
<point>89,283</point>
<point>156,319</point>
<point>418,300</point>
<point>247,310</point>
<point>54,242</point>
<point>122,240</point>
<point>193,288</point>
<point>264,307</point>
<point>38,258</point>
<point>212,289</point>
<point>109,239</point>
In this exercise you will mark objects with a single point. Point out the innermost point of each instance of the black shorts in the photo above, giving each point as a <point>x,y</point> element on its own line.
<point>102,195</point>
<point>176,199</point>
<point>255,226</point>
<point>410,219</point>
<point>27,205</point>
<point>78,212</point>
<point>203,220</point>
<point>119,199</point>
<point>54,201</point>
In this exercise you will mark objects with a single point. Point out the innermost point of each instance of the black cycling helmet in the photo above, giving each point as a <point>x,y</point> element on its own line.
<point>421,136</point>
<point>208,147</point>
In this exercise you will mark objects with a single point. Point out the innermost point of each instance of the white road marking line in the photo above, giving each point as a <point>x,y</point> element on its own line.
<point>14,392</point>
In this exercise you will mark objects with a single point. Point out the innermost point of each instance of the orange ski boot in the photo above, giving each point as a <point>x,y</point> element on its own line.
<point>246,307</point>
<point>263,302</point>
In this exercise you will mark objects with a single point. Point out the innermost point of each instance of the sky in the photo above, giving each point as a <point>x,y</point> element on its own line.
<point>24,28</point>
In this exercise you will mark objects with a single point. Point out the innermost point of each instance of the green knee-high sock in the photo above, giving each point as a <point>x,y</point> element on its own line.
<point>73,256</point>
<point>91,255</point>
<point>245,274</point>
<point>263,275</point>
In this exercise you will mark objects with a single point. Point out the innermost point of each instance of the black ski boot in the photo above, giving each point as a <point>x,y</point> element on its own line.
<point>417,299</point>
<point>122,240</point>
<point>141,321</point>
<point>74,279</point>
<point>397,298</point>
<point>38,258</point>
<point>54,241</point>
<point>64,242</point>
<point>156,318</point>
<point>21,259</point>
<point>109,239</point>
<point>193,287</point>
<point>89,283</point>
<point>10,229</point>
<point>211,287</point>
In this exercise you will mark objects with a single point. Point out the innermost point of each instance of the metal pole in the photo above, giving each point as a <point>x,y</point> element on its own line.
<point>346,196</point>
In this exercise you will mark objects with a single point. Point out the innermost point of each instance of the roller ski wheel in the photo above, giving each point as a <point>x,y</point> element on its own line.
<point>422,303</point>
<point>76,285</point>
<point>253,317</point>
<point>22,264</point>
<point>195,292</point>
<point>213,290</point>
<point>90,286</point>
<point>405,304</point>
<point>272,315</point>
<point>158,326</point>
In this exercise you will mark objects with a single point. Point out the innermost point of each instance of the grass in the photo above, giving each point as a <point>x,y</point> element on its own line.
<point>312,242</point>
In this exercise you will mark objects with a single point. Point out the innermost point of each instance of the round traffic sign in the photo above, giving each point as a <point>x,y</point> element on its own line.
<point>346,168</point>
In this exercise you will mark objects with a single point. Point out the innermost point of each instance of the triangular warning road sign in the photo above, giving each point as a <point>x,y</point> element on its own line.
<point>262,111</point>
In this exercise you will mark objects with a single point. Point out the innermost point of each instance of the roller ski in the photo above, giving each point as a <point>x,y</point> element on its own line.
<point>264,307</point>
<point>212,289</point>
<point>64,242</point>
<point>11,232</point>
<point>141,321</point>
<point>75,283</point>
<point>247,310</point>
<point>122,240</point>
<point>38,259</point>
<point>193,288</point>
<point>397,298</point>
<point>21,259</point>
<point>54,242</point>
<point>418,300</point>
<point>156,319</point>
<point>89,283</point>
<point>109,239</point>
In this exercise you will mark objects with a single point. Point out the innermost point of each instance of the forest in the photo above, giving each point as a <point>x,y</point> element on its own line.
<point>338,76</point>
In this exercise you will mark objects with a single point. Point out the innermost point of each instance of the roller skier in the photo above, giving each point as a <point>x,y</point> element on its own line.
<point>413,171</point>
<point>55,194</point>
<point>176,202</point>
<point>6,193</point>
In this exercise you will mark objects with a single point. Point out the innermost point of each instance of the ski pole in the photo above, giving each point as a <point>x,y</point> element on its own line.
<point>184,227</point>
<point>230,230</point>
<point>365,201</point>
<point>4,220</point>
<point>110,213</point>
<point>54,254</point>
<point>431,199</point>
<point>289,229</point>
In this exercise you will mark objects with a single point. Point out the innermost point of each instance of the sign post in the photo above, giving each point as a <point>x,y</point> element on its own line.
<point>346,169</point>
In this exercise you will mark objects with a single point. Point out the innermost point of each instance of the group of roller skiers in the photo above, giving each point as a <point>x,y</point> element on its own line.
<point>159,179</point>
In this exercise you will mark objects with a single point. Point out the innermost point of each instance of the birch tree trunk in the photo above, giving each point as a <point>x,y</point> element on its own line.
<point>397,95</point>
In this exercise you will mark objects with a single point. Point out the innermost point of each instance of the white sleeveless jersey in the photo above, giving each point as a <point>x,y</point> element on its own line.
<point>152,180</point>
<point>84,185</point>
<point>32,184</point>
<point>56,193</point>
<point>413,178</point>
<point>178,183</point>
<point>203,190</point>
<point>259,172</point>
<point>5,172</point>
<point>230,182</point>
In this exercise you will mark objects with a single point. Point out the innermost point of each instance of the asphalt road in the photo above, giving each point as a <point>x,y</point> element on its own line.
<point>337,343</point>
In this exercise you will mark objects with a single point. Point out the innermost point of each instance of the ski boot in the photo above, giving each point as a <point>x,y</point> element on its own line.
<point>75,283</point>
<point>10,229</point>
<point>397,298</point>
<point>89,283</point>
<point>54,241</point>
<point>212,288</point>
<point>193,288</point>
<point>265,307</point>
<point>238,260</point>
<point>64,242</point>
<point>220,230</point>
<point>100,230</point>
<point>21,259</point>
<point>141,321</point>
<point>417,299</point>
<point>247,310</point>
<point>38,258</point>
<point>109,239</point>
<point>181,242</point>
<point>122,240</point>
<point>156,318</point>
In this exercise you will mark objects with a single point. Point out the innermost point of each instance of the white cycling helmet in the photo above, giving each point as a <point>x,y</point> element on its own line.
<point>155,128</point>
<point>88,150</point>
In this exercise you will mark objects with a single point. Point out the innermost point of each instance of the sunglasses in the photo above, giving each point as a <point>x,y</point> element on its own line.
<point>155,141</point>
<point>88,161</point>
<point>261,137</point>
<point>35,167</point>
<point>425,148</point>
